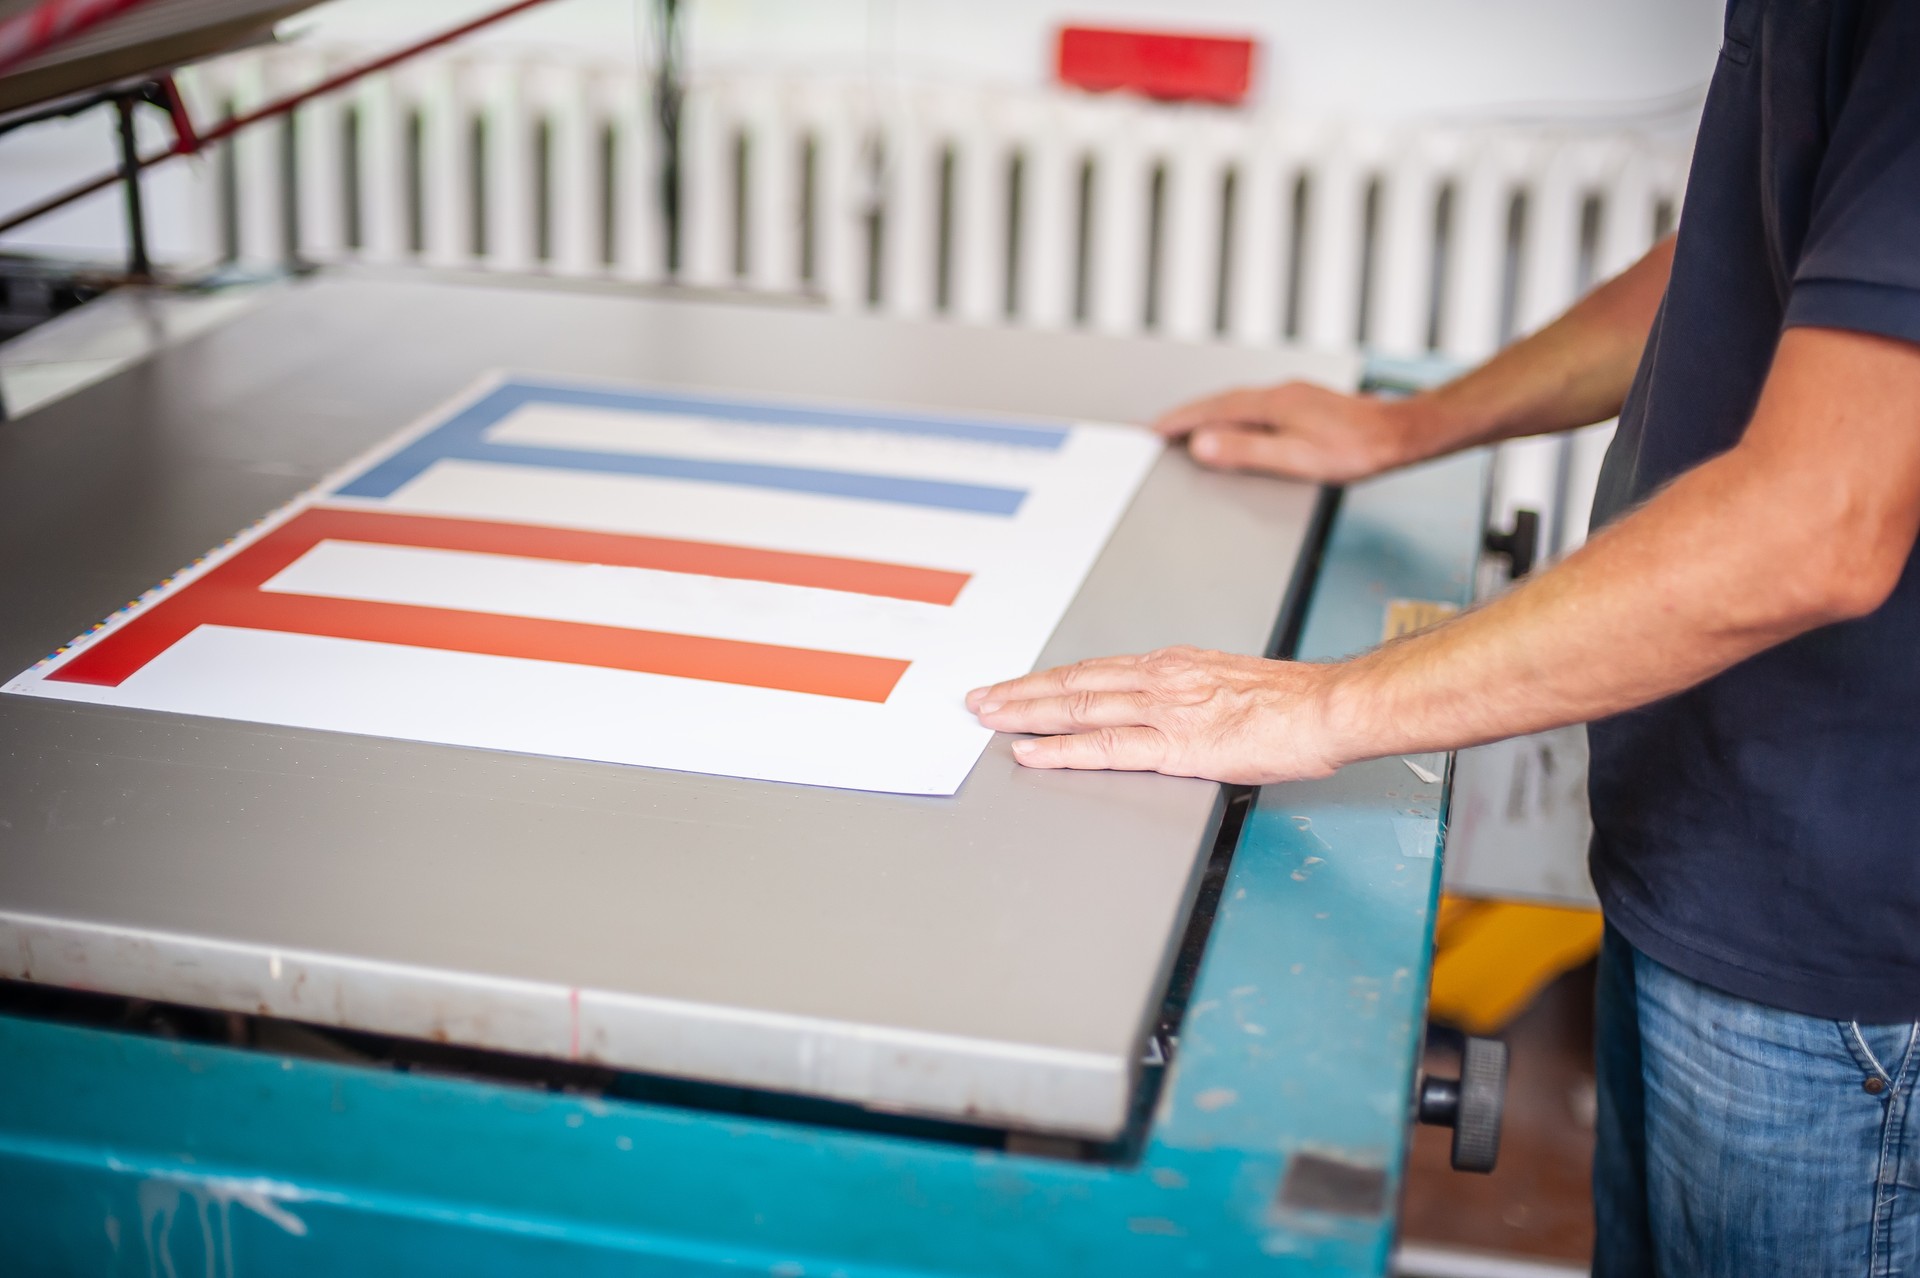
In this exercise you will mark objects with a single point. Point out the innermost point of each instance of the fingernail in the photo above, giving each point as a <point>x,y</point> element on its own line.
<point>1205,445</point>
<point>973,698</point>
<point>987,707</point>
<point>1024,747</point>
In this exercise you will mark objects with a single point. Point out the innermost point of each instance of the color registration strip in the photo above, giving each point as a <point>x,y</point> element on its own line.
<point>231,594</point>
<point>463,437</point>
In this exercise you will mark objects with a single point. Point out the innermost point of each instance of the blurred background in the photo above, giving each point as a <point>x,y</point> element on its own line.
<point>1411,177</point>
<point>563,83</point>
<point>1421,180</point>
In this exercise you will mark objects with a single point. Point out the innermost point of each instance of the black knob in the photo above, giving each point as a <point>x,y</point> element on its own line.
<point>1519,547</point>
<point>1471,1104</point>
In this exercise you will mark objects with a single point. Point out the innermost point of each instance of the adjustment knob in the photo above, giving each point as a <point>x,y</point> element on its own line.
<point>1519,547</point>
<point>1471,1104</point>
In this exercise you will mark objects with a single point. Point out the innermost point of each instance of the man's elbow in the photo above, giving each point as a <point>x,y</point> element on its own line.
<point>1853,578</point>
<point>1828,547</point>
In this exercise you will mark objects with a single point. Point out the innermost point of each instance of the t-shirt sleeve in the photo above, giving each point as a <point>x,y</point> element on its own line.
<point>1860,265</point>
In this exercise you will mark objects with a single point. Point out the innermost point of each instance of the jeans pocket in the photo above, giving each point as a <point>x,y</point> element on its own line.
<point>1883,1052</point>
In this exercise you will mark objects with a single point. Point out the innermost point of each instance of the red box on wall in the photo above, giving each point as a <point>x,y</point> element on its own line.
<point>1159,64</point>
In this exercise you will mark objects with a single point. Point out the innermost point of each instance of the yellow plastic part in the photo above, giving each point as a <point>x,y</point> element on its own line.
<point>1492,957</point>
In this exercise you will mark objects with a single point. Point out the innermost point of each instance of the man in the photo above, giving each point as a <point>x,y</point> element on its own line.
<point>1743,635</point>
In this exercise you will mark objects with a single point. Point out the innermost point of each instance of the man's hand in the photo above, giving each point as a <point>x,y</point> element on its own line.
<point>1183,711</point>
<point>1296,430</point>
<point>1571,373</point>
<point>1532,660</point>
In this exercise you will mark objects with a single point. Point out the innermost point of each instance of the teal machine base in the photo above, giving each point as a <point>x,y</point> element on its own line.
<point>1276,1146</point>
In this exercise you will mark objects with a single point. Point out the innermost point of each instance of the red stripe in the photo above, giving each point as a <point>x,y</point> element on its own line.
<point>231,595</point>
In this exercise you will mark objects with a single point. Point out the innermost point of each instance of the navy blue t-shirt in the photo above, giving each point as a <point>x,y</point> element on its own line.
<point>1761,832</point>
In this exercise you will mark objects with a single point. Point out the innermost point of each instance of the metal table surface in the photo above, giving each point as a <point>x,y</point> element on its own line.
<point>1277,1147</point>
<point>995,956</point>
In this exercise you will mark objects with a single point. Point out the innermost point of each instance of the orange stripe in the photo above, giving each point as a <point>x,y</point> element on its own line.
<point>569,545</point>
<point>230,595</point>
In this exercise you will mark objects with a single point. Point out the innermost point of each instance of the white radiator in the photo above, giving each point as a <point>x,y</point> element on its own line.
<point>993,206</point>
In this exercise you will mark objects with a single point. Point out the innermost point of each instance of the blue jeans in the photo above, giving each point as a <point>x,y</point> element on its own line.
<point>1740,1141</point>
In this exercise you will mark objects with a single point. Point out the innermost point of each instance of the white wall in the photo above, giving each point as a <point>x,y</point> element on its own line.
<point>39,160</point>
<point>1381,59</point>
<point>1375,58</point>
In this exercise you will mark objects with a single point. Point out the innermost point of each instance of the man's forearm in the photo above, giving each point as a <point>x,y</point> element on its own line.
<point>1628,619</point>
<point>1574,372</point>
<point>1744,552</point>
<point>1810,519</point>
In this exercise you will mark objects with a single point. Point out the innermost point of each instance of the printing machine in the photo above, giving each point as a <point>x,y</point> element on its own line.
<point>278,1001</point>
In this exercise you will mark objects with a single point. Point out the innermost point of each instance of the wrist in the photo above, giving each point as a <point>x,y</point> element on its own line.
<point>1412,431</point>
<point>1437,421</point>
<point>1346,711</point>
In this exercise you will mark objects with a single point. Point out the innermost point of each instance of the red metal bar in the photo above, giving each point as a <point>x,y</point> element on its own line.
<point>187,142</point>
<point>185,139</point>
<point>52,21</point>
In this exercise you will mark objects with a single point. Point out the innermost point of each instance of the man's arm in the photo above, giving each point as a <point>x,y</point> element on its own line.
<point>1573,372</point>
<point>1809,520</point>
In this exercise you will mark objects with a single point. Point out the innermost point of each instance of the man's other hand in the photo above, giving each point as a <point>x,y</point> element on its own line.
<point>1296,430</point>
<point>1183,711</point>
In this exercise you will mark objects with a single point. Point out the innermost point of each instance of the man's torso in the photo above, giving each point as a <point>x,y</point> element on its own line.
<point>1754,832</point>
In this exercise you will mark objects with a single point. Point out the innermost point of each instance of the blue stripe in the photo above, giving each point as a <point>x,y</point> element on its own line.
<point>389,475</point>
<point>1019,435</point>
<point>463,438</point>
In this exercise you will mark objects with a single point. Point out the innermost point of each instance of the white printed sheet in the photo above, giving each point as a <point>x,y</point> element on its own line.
<point>778,591</point>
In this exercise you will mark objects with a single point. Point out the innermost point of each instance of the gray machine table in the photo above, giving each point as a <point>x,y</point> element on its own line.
<point>993,957</point>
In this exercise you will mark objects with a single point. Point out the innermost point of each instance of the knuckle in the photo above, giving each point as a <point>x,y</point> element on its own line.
<point>1288,397</point>
<point>1241,447</point>
<point>1271,449</point>
<point>1181,657</point>
<point>1173,670</point>
<point>1075,675</point>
